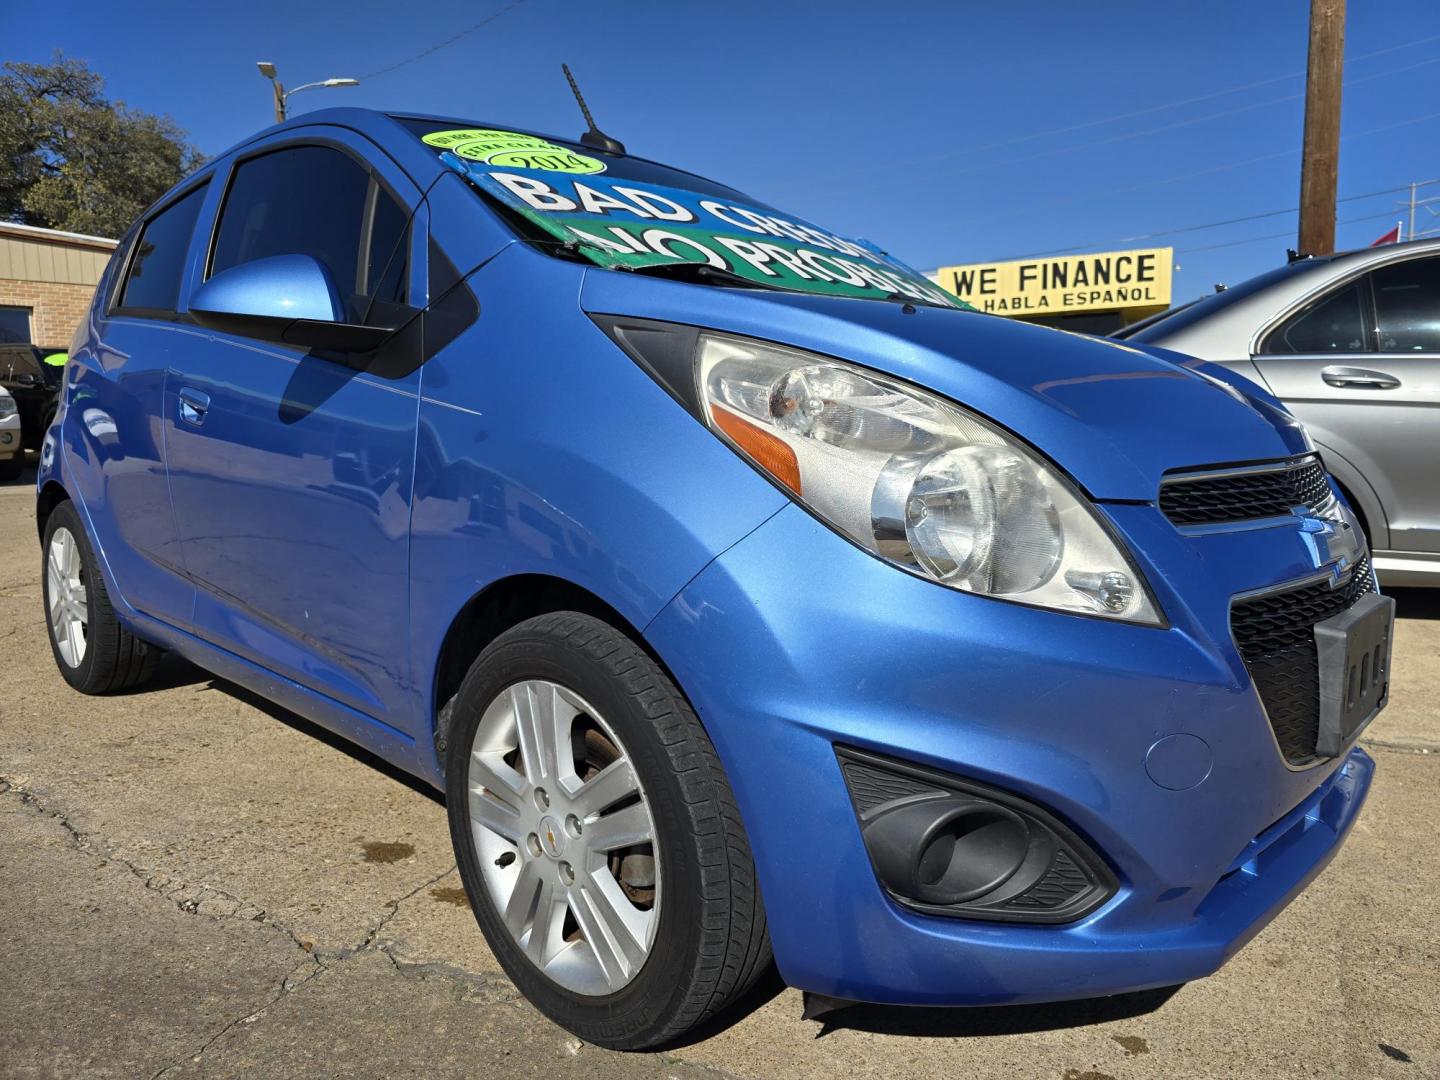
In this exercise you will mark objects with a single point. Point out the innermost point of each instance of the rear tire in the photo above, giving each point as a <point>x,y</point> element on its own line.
<point>705,923</point>
<point>95,654</point>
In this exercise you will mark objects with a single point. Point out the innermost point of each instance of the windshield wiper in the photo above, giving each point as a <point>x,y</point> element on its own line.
<point>703,274</point>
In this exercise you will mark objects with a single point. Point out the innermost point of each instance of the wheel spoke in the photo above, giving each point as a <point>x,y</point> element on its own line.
<point>537,731</point>
<point>607,787</point>
<point>78,597</point>
<point>544,940</point>
<point>608,933</point>
<point>522,898</point>
<point>489,812</point>
<point>489,770</point>
<point>67,555</point>
<point>57,605</point>
<point>624,828</point>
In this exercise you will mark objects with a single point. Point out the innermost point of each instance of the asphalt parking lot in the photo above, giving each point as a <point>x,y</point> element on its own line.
<point>194,882</point>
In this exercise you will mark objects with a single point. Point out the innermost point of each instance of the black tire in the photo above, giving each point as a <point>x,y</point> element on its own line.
<point>710,942</point>
<point>114,659</point>
<point>12,467</point>
<point>37,437</point>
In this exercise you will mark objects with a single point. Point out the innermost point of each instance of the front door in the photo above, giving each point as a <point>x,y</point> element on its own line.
<point>1361,366</point>
<point>290,473</point>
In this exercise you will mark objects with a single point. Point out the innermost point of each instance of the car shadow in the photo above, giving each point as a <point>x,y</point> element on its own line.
<point>928,1022</point>
<point>1415,603</point>
<point>27,474</point>
<point>987,1020</point>
<point>175,672</point>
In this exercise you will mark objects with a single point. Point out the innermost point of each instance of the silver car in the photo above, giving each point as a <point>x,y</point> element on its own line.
<point>1351,344</point>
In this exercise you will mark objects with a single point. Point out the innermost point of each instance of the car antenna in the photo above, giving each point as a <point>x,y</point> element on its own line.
<point>594,137</point>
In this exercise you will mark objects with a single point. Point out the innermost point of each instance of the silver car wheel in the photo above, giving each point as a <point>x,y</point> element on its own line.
<point>564,836</point>
<point>65,591</point>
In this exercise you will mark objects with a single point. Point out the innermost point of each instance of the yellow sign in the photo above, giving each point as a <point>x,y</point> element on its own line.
<point>1107,281</point>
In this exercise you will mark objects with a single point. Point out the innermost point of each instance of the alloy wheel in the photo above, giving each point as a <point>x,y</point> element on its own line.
<point>68,608</point>
<point>564,836</point>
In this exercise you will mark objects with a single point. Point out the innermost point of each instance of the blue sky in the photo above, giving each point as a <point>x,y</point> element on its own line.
<point>947,132</point>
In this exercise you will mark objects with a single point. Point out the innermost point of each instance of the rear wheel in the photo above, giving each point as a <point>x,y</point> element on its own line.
<point>597,836</point>
<point>95,654</point>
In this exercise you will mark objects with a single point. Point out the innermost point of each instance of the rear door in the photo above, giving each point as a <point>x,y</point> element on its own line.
<point>113,432</point>
<point>1360,365</point>
<point>291,473</point>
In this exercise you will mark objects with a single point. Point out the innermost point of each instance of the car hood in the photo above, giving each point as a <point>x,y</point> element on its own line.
<point>1115,417</point>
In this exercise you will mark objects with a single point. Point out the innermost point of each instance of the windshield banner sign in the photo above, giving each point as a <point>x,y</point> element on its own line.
<point>630,225</point>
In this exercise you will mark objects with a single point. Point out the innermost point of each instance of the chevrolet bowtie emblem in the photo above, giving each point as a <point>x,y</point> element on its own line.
<point>1332,542</point>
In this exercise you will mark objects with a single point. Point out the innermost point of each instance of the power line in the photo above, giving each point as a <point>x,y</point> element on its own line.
<point>1126,136</point>
<point>1211,224</point>
<point>1277,236</point>
<point>931,158</point>
<point>451,41</point>
<point>1209,171</point>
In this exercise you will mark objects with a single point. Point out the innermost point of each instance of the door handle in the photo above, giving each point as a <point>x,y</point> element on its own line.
<point>193,404</point>
<point>1361,377</point>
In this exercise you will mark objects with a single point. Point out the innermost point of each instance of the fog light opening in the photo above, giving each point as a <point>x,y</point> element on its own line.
<point>945,845</point>
<point>969,852</point>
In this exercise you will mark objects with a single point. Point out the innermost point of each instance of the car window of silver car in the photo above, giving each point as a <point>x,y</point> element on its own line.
<point>1407,306</point>
<point>1333,323</point>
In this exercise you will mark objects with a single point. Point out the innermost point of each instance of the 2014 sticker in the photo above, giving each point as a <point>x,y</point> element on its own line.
<point>512,149</point>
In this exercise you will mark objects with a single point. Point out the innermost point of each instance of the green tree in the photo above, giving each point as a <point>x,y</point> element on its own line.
<point>72,159</point>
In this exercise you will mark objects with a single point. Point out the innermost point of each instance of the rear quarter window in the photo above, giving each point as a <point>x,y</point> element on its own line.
<point>152,280</point>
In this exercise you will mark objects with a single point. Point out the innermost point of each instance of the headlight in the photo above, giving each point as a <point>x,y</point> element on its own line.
<point>913,478</point>
<point>8,407</point>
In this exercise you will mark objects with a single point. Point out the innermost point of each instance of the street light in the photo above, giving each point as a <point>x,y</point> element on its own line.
<point>282,95</point>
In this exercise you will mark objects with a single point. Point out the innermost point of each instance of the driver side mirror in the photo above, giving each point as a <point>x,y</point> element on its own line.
<point>289,299</point>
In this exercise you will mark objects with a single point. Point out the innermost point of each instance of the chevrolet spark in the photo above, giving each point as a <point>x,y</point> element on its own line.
<point>742,592</point>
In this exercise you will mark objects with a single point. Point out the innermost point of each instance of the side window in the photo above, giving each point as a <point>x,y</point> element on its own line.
<point>1331,324</point>
<point>1407,306</point>
<point>152,282</point>
<point>316,201</point>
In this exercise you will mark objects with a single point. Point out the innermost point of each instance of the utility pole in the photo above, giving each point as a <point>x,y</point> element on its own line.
<point>1320,164</point>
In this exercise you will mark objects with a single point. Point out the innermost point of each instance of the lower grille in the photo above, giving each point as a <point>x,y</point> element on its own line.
<point>1276,637</point>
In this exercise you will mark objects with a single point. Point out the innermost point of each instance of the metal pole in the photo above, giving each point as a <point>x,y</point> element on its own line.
<point>1320,164</point>
<point>1410,232</point>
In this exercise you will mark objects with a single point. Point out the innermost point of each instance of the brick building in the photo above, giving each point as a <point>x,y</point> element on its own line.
<point>46,280</point>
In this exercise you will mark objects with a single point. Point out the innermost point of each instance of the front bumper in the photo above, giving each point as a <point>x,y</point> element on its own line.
<point>795,641</point>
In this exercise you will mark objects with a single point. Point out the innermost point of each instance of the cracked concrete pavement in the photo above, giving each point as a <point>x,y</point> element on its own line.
<point>196,883</point>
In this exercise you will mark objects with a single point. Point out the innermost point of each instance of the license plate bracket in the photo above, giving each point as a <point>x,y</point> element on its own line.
<point>1354,654</point>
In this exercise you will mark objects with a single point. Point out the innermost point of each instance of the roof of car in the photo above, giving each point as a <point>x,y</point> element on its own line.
<point>1222,326</point>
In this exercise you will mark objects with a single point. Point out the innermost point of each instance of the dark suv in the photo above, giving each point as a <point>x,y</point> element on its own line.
<point>35,386</point>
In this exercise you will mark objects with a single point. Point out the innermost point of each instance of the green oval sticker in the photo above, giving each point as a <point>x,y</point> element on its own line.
<point>512,149</point>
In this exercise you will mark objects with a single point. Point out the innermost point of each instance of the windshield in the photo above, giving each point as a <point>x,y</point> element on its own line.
<point>1161,326</point>
<point>626,213</point>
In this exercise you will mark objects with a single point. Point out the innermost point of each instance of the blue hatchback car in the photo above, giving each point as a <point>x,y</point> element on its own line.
<point>739,589</point>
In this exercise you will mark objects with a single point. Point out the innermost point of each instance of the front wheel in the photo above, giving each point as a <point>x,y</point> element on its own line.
<point>597,836</point>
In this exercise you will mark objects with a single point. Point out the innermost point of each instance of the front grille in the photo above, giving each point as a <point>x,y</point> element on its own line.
<point>1276,637</point>
<point>1212,499</point>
